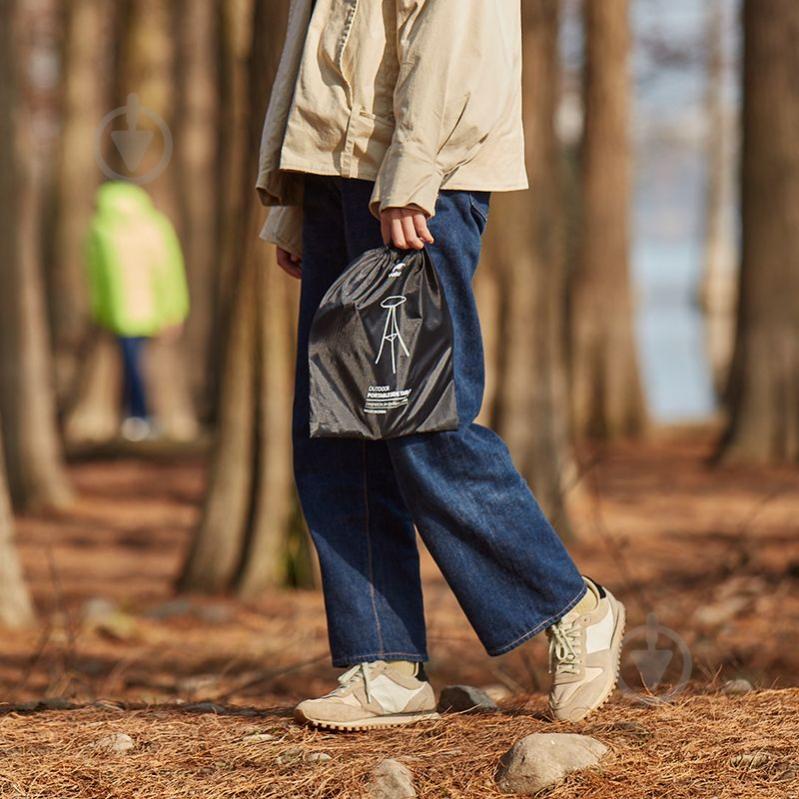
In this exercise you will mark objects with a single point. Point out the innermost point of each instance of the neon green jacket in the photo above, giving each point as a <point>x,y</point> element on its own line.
<point>135,264</point>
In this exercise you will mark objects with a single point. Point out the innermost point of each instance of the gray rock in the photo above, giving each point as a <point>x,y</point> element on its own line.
<point>462,698</point>
<point>98,608</point>
<point>391,780</point>
<point>258,738</point>
<point>544,759</point>
<point>107,618</point>
<point>118,742</point>
<point>170,609</point>
<point>497,692</point>
<point>214,614</point>
<point>294,754</point>
<point>737,687</point>
<point>718,613</point>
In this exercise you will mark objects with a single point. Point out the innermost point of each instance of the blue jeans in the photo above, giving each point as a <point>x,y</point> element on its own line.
<point>476,515</point>
<point>134,394</point>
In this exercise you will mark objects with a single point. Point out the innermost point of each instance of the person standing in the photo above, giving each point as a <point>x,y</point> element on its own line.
<point>137,284</point>
<point>391,122</point>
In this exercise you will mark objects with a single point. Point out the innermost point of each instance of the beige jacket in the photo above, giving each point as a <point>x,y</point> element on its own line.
<point>416,95</point>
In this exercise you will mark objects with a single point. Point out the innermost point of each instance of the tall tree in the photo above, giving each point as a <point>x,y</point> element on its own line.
<point>16,609</point>
<point>241,543</point>
<point>196,152</point>
<point>717,291</point>
<point>147,69</point>
<point>28,80</point>
<point>85,367</point>
<point>84,103</point>
<point>764,386</point>
<point>525,245</point>
<point>606,392</point>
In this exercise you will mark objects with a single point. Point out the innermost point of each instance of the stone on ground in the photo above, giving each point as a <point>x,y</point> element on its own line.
<point>543,759</point>
<point>118,742</point>
<point>460,698</point>
<point>391,780</point>
<point>735,687</point>
<point>497,692</point>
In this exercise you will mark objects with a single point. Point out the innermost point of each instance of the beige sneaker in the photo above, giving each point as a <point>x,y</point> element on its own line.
<point>584,654</point>
<point>370,696</point>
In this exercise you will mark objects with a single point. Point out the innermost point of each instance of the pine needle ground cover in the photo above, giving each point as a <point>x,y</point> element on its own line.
<point>203,686</point>
<point>702,746</point>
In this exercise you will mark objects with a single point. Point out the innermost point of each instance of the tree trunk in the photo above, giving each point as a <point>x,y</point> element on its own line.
<point>33,450</point>
<point>764,386</point>
<point>526,244</point>
<point>242,539</point>
<point>197,147</point>
<point>148,70</point>
<point>236,39</point>
<point>717,292</point>
<point>16,609</point>
<point>606,392</point>
<point>85,101</point>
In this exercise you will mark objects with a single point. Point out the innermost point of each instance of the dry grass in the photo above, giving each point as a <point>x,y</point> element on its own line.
<point>713,552</point>
<point>703,746</point>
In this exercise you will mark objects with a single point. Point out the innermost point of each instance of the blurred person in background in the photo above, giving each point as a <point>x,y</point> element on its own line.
<point>391,122</point>
<point>138,286</point>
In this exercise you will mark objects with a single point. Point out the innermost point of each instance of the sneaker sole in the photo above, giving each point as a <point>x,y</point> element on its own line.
<point>615,643</point>
<point>373,723</point>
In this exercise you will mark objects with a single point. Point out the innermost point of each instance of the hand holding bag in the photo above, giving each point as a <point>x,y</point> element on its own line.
<point>380,352</point>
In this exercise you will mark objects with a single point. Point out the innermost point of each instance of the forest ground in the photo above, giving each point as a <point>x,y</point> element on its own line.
<point>713,553</point>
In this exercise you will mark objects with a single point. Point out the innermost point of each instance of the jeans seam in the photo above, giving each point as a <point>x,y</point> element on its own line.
<point>369,559</point>
<point>476,209</point>
<point>352,659</point>
<point>501,650</point>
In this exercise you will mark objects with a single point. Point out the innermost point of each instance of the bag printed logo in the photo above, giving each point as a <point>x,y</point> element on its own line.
<point>380,350</point>
<point>391,331</point>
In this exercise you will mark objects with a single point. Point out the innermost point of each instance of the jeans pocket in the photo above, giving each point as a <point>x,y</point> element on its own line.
<point>479,203</point>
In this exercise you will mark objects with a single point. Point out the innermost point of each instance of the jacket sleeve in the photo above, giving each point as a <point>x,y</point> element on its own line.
<point>173,290</point>
<point>284,227</point>
<point>443,104</point>
<point>98,284</point>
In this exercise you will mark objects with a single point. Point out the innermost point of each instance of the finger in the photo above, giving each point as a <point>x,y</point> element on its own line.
<point>293,271</point>
<point>385,227</point>
<point>409,229</point>
<point>397,233</point>
<point>420,221</point>
<point>289,263</point>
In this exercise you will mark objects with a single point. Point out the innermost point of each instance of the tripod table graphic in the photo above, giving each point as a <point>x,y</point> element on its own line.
<point>391,332</point>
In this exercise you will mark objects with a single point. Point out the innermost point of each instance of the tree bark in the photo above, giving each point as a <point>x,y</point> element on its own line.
<point>197,148</point>
<point>236,40</point>
<point>33,450</point>
<point>86,90</point>
<point>148,69</point>
<point>717,292</point>
<point>764,385</point>
<point>16,609</point>
<point>242,541</point>
<point>526,244</point>
<point>607,399</point>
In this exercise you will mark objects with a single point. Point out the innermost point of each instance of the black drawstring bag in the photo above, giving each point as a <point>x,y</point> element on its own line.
<point>380,351</point>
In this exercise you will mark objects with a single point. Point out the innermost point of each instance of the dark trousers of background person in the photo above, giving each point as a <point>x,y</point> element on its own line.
<point>361,499</point>
<point>134,395</point>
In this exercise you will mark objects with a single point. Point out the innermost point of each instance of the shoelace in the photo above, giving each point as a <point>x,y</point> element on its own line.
<point>564,648</point>
<point>350,677</point>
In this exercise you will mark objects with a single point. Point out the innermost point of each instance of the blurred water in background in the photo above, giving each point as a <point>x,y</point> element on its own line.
<point>669,129</point>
